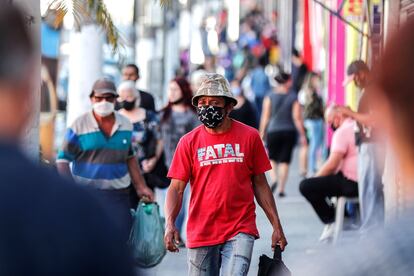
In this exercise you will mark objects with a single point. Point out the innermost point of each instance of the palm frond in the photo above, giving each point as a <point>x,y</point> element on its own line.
<point>165,3</point>
<point>86,11</point>
<point>103,18</point>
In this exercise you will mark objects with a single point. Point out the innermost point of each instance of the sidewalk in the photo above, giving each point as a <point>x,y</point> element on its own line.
<point>301,225</point>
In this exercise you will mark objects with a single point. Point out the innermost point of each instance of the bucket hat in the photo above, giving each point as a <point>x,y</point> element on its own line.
<point>214,85</point>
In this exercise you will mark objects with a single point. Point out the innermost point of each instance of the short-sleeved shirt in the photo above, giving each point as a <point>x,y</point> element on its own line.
<point>98,160</point>
<point>220,168</point>
<point>343,141</point>
<point>145,135</point>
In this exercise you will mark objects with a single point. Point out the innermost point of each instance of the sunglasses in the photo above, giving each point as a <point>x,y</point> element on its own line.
<point>106,98</point>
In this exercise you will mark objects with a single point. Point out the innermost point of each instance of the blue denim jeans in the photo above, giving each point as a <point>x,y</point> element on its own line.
<point>231,258</point>
<point>314,128</point>
<point>371,195</point>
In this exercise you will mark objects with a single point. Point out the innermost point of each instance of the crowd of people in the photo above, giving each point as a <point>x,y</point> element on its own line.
<point>212,136</point>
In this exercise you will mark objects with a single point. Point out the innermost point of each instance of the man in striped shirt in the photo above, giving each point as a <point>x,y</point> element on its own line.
<point>98,145</point>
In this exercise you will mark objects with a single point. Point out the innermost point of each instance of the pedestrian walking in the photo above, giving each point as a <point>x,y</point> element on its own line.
<point>131,72</point>
<point>339,174</point>
<point>259,84</point>
<point>226,172</point>
<point>146,141</point>
<point>177,119</point>
<point>50,225</point>
<point>371,194</point>
<point>244,111</point>
<point>313,115</point>
<point>279,126</point>
<point>99,147</point>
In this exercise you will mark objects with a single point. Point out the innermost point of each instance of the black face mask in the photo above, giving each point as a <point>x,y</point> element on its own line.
<point>333,127</point>
<point>210,116</point>
<point>127,105</point>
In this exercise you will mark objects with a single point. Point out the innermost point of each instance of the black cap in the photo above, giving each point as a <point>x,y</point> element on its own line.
<point>356,66</point>
<point>282,77</point>
<point>104,86</point>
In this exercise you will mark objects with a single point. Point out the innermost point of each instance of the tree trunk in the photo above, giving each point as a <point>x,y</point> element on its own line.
<point>85,66</point>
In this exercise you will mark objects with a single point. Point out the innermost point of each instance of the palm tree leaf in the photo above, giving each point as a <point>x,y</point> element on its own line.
<point>165,3</point>
<point>104,19</point>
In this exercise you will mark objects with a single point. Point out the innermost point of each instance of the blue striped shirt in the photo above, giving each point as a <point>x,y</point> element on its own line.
<point>96,159</point>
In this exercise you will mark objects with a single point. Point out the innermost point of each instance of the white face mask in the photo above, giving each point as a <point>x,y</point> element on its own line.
<point>103,108</point>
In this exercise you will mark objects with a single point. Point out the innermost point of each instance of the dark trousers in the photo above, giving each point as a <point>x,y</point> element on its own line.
<point>117,207</point>
<point>318,190</point>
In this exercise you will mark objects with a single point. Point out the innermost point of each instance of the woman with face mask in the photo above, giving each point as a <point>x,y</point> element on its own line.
<point>178,117</point>
<point>244,111</point>
<point>280,122</point>
<point>146,137</point>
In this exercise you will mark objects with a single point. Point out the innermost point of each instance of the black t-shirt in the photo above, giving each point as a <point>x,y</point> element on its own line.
<point>245,114</point>
<point>147,101</point>
<point>298,77</point>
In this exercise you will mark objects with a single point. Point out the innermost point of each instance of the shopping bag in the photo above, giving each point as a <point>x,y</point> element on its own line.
<point>146,239</point>
<point>273,267</point>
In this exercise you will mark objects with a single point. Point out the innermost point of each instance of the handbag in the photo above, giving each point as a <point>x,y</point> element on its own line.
<point>273,267</point>
<point>146,239</point>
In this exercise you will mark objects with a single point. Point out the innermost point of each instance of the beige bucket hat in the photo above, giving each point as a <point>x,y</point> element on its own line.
<point>214,85</point>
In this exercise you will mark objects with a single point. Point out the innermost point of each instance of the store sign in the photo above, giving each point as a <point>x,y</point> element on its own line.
<point>353,8</point>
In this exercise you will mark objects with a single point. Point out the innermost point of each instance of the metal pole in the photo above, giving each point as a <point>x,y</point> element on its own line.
<point>335,13</point>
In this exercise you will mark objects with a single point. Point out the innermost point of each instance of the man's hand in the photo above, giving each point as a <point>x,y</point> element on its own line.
<point>171,238</point>
<point>278,238</point>
<point>149,164</point>
<point>144,191</point>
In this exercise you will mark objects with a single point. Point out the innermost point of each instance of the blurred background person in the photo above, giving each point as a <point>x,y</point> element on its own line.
<point>371,196</point>
<point>299,71</point>
<point>385,251</point>
<point>338,176</point>
<point>97,152</point>
<point>244,111</point>
<point>313,111</point>
<point>280,124</point>
<point>197,76</point>
<point>131,72</point>
<point>51,226</point>
<point>177,118</point>
<point>259,83</point>
<point>146,138</point>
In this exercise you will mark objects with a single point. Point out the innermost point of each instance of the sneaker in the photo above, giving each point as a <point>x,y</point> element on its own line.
<point>328,232</point>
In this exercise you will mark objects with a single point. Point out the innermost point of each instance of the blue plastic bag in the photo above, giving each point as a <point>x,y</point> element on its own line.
<point>146,239</point>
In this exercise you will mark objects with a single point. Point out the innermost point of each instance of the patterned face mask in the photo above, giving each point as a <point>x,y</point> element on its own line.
<point>210,116</point>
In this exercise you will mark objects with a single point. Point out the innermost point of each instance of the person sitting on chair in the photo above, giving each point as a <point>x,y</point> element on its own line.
<point>338,176</point>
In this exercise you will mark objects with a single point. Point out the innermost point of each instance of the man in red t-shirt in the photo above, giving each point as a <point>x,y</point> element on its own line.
<point>225,163</point>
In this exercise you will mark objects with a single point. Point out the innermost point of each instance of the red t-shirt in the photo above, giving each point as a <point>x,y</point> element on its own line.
<point>220,168</point>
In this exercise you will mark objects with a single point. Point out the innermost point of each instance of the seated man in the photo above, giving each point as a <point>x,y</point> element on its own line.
<point>338,176</point>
